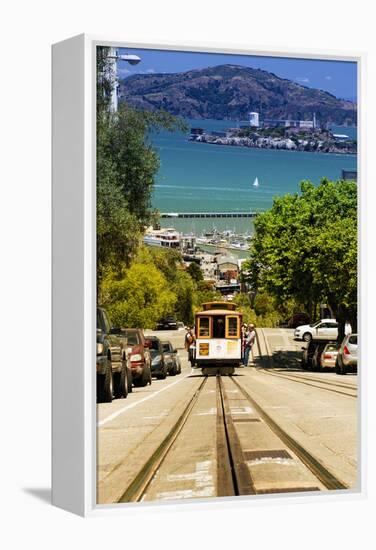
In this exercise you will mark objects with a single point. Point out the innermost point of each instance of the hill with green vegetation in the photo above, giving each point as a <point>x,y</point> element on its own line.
<point>231,92</point>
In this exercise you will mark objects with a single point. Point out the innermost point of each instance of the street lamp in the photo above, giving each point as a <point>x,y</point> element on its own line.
<point>114,57</point>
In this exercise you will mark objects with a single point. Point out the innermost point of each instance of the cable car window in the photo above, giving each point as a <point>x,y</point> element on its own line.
<point>203,326</point>
<point>219,326</point>
<point>232,327</point>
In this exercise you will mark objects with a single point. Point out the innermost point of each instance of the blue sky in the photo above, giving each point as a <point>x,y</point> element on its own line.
<point>337,77</point>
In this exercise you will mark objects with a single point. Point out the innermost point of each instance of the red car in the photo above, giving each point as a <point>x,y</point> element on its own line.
<point>139,355</point>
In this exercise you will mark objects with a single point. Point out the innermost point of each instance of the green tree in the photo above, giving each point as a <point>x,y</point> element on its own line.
<point>184,289</point>
<point>118,233</point>
<point>195,272</point>
<point>205,293</point>
<point>139,299</point>
<point>135,159</point>
<point>305,248</point>
<point>126,169</point>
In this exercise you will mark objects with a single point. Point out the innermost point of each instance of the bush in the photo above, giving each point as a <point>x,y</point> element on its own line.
<point>139,299</point>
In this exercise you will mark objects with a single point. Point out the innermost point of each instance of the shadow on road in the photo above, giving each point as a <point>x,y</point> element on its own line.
<point>288,361</point>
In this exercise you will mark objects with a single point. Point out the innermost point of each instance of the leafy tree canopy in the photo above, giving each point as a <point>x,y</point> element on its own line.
<point>126,168</point>
<point>305,247</point>
<point>195,272</point>
<point>139,299</point>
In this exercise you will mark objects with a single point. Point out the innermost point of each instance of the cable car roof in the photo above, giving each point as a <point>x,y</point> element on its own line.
<point>218,312</point>
<point>228,306</point>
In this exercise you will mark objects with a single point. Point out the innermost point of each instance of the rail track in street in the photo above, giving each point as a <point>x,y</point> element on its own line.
<point>324,384</point>
<point>253,454</point>
<point>319,471</point>
<point>316,382</point>
<point>137,489</point>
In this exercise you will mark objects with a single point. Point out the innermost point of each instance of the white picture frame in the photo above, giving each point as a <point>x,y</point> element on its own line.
<point>74,273</point>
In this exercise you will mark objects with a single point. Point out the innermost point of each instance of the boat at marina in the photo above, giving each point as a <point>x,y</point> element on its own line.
<point>166,237</point>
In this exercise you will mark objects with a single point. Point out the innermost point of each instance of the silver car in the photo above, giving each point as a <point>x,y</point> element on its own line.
<point>347,354</point>
<point>329,356</point>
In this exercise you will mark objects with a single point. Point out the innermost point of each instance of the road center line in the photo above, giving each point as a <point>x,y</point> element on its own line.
<point>127,407</point>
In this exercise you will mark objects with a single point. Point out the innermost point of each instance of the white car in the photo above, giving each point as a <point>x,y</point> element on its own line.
<point>347,354</point>
<point>326,329</point>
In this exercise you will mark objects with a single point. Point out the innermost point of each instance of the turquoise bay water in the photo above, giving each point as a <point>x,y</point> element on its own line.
<point>198,177</point>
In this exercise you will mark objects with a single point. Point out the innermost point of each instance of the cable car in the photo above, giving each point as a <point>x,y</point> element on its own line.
<point>218,347</point>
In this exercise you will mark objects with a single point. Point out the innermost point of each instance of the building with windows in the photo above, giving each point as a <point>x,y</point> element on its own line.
<point>288,123</point>
<point>254,120</point>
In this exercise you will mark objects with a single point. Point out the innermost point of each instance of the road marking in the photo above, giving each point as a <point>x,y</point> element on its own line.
<point>128,407</point>
<point>271,460</point>
<point>157,417</point>
<point>211,411</point>
<point>203,483</point>
<point>186,493</point>
<point>241,410</point>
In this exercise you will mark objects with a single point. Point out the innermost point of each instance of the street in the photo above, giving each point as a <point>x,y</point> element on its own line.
<point>270,428</point>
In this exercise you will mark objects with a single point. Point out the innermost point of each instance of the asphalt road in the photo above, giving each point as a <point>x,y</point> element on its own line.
<point>317,410</point>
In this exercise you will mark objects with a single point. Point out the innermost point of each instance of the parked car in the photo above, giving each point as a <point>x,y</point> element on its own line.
<point>326,329</point>
<point>329,356</point>
<point>171,358</point>
<point>178,362</point>
<point>168,323</point>
<point>298,319</point>
<point>111,354</point>
<point>104,370</point>
<point>347,354</point>
<point>158,363</point>
<point>311,358</point>
<point>139,356</point>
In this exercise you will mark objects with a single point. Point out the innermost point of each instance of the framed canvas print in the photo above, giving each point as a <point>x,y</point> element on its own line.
<point>206,282</point>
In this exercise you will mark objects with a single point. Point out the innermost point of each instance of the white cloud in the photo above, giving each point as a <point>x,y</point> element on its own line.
<point>122,72</point>
<point>302,79</point>
<point>150,71</point>
<point>328,78</point>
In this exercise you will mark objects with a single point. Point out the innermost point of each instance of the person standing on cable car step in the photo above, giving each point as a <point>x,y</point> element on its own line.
<point>249,341</point>
<point>189,344</point>
<point>243,334</point>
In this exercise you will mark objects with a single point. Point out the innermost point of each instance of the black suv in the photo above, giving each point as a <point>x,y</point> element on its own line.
<point>114,375</point>
<point>168,323</point>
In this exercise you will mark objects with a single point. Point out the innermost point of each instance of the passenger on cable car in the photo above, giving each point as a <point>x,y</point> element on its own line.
<point>219,328</point>
<point>189,343</point>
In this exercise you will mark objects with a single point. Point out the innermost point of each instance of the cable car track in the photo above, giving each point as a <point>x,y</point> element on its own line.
<point>300,378</point>
<point>325,477</point>
<point>234,476</point>
<point>138,487</point>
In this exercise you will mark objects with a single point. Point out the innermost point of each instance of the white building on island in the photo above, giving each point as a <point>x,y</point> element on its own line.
<point>254,120</point>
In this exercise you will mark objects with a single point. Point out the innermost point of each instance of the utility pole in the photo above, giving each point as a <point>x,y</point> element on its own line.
<point>114,58</point>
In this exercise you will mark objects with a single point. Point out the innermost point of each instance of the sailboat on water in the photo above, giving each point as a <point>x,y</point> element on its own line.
<point>256,182</point>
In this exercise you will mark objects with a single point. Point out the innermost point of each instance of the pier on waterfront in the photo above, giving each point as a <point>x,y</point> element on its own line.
<point>208,214</point>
